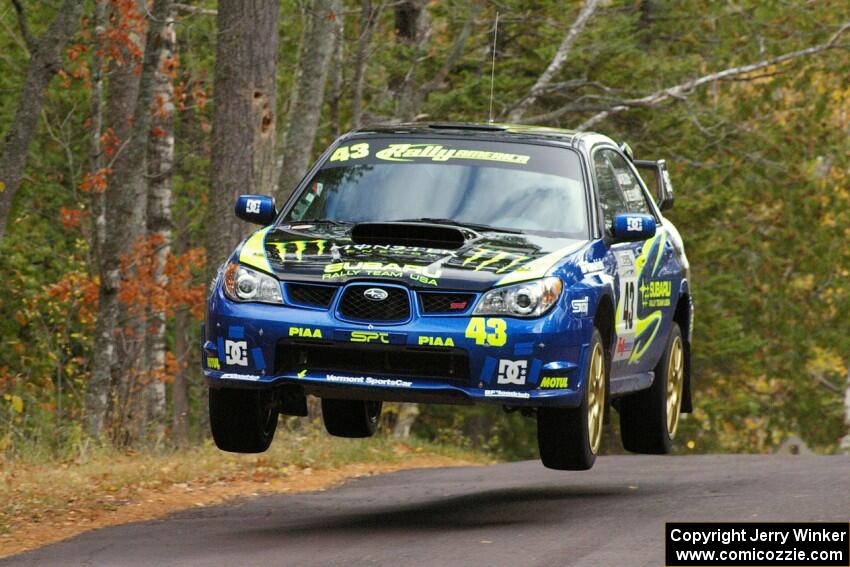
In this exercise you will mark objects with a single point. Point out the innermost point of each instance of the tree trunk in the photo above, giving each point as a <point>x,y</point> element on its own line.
<point>243,119</point>
<point>845,442</point>
<point>368,17</point>
<point>125,213</point>
<point>337,77</point>
<point>45,61</point>
<point>308,93</point>
<point>117,209</point>
<point>125,201</point>
<point>96,156</point>
<point>180,385</point>
<point>412,31</point>
<point>407,414</point>
<point>160,166</point>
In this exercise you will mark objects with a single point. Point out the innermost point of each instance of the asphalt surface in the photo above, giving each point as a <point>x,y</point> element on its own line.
<point>511,514</point>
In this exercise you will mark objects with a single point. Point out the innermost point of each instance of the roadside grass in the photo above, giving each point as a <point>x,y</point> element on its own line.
<point>85,489</point>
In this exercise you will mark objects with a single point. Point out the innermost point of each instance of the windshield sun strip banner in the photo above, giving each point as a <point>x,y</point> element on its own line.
<point>438,152</point>
<point>540,158</point>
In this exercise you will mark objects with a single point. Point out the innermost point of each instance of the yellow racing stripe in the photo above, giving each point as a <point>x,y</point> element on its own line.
<point>540,267</point>
<point>253,252</point>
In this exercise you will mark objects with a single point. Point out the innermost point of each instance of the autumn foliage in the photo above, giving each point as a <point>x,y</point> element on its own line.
<point>144,290</point>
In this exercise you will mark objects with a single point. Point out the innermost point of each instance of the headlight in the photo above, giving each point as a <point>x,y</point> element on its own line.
<point>529,299</point>
<point>244,284</point>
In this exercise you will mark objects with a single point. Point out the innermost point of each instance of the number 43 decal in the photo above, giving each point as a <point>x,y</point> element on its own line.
<point>345,153</point>
<point>490,332</point>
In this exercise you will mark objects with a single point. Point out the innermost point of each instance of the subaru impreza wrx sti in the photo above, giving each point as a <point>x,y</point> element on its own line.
<point>462,264</point>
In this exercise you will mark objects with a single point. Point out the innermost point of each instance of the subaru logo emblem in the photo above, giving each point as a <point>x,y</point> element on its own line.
<point>375,294</point>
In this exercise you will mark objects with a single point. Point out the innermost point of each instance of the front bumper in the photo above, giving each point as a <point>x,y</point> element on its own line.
<point>501,360</point>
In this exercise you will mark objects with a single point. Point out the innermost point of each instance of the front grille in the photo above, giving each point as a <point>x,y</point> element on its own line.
<point>435,302</point>
<point>445,364</point>
<point>311,295</point>
<point>355,305</point>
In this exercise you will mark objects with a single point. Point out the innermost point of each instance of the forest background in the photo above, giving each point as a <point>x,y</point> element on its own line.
<point>130,126</point>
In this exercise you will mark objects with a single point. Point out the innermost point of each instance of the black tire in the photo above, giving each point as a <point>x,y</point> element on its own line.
<point>564,435</point>
<point>354,419</point>
<point>644,427</point>
<point>242,421</point>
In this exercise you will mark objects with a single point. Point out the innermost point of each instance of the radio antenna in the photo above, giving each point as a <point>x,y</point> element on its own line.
<point>493,67</point>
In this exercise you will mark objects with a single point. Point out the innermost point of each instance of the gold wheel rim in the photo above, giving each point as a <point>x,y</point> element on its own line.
<point>675,381</point>
<point>595,397</point>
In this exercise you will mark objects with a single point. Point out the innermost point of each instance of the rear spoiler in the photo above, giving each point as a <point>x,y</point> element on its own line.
<point>663,187</point>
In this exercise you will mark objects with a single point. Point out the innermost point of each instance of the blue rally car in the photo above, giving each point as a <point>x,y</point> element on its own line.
<point>459,264</point>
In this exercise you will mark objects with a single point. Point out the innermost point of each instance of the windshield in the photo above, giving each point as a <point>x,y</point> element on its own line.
<point>525,187</point>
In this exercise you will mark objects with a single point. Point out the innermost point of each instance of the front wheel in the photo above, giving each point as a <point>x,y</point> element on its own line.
<point>569,438</point>
<point>242,421</point>
<point>351,418</point>
<point>649,418</point>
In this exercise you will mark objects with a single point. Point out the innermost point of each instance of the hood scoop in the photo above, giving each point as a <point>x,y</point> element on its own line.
<point>409,234</point>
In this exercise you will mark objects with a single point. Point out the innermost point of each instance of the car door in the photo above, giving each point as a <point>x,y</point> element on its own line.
<point>640,278</point>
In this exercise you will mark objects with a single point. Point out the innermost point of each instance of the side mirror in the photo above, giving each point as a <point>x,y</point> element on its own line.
<point>258,209</point>
<point>663,186</point>
<point>631,227</point>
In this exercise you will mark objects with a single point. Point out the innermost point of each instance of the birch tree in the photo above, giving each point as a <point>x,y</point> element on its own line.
<point>125,201</point>
<point>561,56</point>
<point>308,93</point>
<point>160,165</point>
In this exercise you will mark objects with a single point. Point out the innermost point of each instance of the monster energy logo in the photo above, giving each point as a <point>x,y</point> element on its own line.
<point>497,260</point>
<point>298,248</point>
<point>436,152</point>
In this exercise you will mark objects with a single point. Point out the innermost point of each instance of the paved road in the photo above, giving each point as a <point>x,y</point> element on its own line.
<point>512,514</point>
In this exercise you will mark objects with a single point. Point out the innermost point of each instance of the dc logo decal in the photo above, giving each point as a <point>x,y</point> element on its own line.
<point>252,206</point>
<point>236,353</point>
<point>634,224</point>
<point>512,372</point>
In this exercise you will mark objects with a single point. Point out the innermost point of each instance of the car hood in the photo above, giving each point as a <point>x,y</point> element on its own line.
<point>327,253</point>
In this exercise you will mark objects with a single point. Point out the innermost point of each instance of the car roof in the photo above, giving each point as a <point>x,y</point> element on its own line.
<point>490,131</point>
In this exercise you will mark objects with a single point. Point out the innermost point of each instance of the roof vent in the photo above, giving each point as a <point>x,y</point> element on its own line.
<point>478,127</point>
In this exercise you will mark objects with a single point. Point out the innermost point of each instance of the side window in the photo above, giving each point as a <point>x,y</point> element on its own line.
<point>628,182</point>
<point>611,197</point>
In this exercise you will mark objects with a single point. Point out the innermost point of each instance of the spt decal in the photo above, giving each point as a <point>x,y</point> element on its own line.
<point>370,337</point>
<point>581,306</point>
